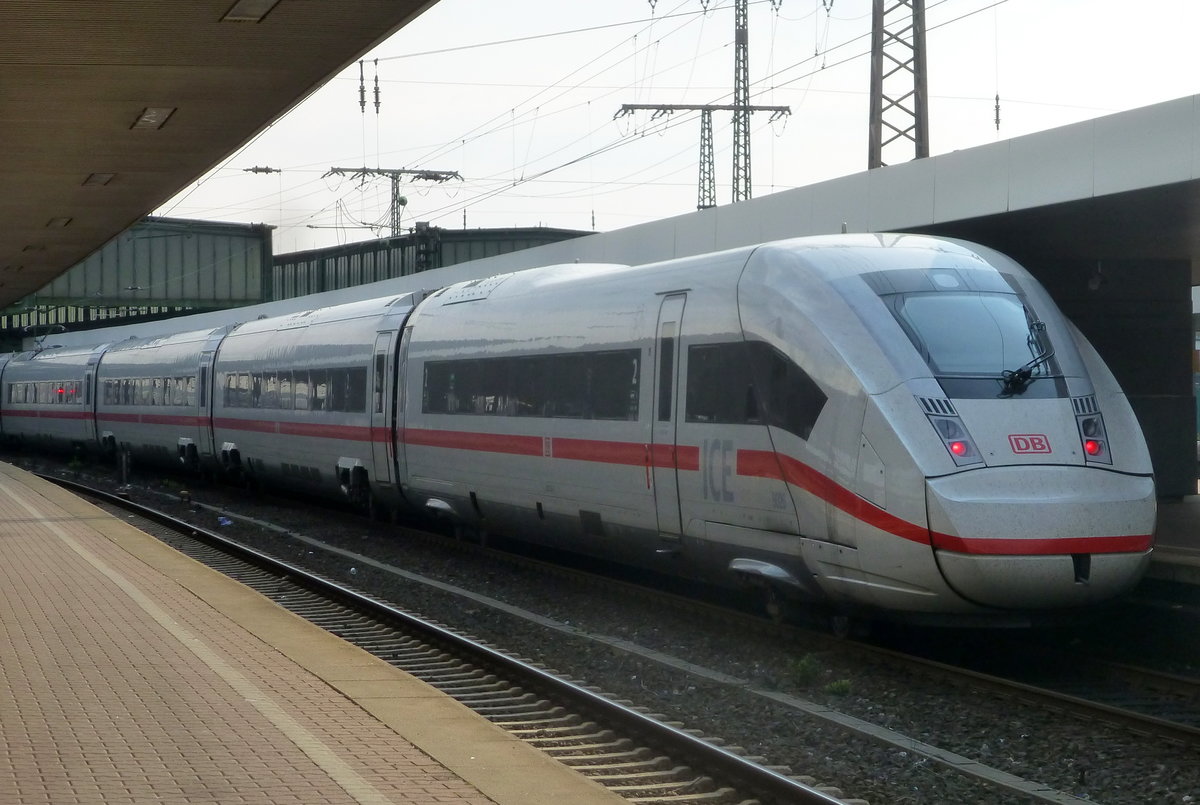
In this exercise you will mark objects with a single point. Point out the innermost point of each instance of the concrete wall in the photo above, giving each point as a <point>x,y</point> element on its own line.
<point>1123,189</point>
<point>1138,315</point>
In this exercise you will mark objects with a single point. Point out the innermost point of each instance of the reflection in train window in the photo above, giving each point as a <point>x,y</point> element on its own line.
<point>719,385</point>
<point>749,382</point>
<point>576,385</point>
<point>341,389</point>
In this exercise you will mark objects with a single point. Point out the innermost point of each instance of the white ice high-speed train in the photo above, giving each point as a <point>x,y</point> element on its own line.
<point>889,423</point>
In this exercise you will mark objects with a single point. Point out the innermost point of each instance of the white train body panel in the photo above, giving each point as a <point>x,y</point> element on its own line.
<point>305,399</point>
<point>47,397</point>
<point>530,459</point>
<point>152,398</point>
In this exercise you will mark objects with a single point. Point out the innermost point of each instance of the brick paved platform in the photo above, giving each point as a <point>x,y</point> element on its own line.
<point>132,674</point>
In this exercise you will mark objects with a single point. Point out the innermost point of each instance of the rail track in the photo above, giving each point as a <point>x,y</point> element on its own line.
<point>1146,703</point>
<point>628,750</point>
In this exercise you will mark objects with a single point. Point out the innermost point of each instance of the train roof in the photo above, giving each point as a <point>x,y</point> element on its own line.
<point>837,256</point>
<point>828,257</point>
<point>56,352</point>
<point>187,337</point>
<point>369,308</point>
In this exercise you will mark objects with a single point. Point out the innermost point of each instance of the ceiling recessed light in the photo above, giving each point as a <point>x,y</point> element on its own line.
<point>58,223</point>
<point>249,10</point>
<point>153,117</point>
<point>98,179</point>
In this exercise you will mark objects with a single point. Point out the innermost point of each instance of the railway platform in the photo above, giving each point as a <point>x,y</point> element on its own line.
<point>131,674</point>
<point>1177,542</point>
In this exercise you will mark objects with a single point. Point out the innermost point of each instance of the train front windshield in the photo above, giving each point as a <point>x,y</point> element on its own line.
<point>977,334</point>
<point>970,334</point>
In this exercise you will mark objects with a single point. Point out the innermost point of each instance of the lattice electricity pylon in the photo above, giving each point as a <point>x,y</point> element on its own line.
<point>394,174</point>
<point>707,196</point>
<point>741,102</point>
<point>899,80</point>
<point>708,181</point>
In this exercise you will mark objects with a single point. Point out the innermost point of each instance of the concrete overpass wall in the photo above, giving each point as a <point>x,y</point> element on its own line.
<point>1122,191</point>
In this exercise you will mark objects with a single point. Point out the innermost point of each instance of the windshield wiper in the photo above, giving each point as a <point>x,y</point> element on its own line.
<point>1015,381</point>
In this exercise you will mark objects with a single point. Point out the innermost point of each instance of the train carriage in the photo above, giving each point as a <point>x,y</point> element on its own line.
<point>305,400</point>
<point>523,412</point>
<point>48,397</point>
<point>152,399</point>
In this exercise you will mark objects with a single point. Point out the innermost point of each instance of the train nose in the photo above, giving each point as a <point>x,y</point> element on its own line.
<point>1041,537</point>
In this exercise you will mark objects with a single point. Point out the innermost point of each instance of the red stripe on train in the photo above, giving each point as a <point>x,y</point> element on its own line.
<point>1042,547</point>
<point>594,450</point>
<point>766,464</point>
<point>48,414</point>
<point>154,419</point>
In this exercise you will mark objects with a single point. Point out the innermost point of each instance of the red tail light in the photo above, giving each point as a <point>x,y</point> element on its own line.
<point>956,439</point>
<point>1094,437</point>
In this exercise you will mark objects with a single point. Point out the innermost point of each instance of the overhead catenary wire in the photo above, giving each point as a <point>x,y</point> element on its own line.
<point>477,133</point>
<point>536,163</point>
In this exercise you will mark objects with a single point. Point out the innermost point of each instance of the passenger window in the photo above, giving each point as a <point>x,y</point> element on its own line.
<point>318,381</point>
<point>286,395</point>
<point>578,385</point>
<point>270,391</point>
<point>338,381</point>
<point>666,371</point>
<point>750,383</point>
<point>300,379</point>
<point>792,399</point>
<point>377,394</point>
<point>356,389</point>
<point>720,388</point>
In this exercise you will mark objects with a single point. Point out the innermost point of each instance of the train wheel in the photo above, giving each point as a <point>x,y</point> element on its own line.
<point>774,603</point>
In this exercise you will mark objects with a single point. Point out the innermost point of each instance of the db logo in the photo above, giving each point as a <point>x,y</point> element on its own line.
<point>1029,443</point>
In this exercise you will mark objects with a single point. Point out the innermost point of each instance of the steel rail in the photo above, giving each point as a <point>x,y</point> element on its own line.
<point>739,771</point>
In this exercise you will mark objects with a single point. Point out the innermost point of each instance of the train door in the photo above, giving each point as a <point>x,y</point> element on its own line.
<point>382,409</point>
<point>204,400</point>
<point>89,401</point>
<point>399,401</point>
<point>206,391</point>
<point>666,394</point>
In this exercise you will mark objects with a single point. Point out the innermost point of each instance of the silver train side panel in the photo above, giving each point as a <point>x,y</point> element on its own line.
<point>153,399</point>
<point>48,397</point>
<point>304,400</point>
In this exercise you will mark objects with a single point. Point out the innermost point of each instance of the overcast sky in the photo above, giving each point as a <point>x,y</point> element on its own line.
<point>519,99</point>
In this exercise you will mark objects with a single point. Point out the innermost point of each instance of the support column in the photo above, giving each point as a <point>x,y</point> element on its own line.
<point>1138,315</point>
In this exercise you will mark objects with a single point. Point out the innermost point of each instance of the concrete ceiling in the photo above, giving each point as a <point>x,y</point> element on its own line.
<point>76,78</point>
